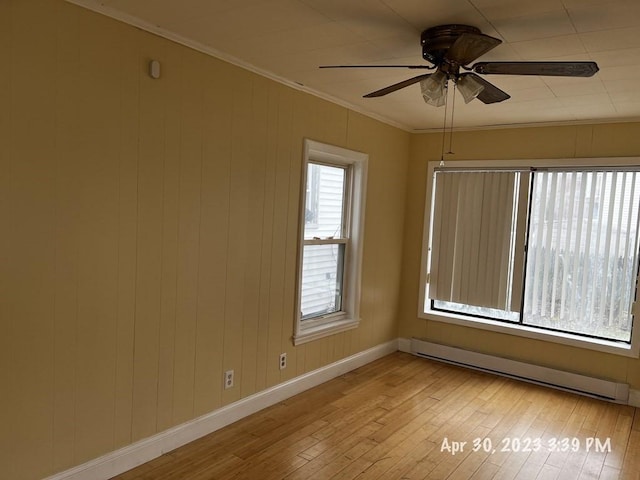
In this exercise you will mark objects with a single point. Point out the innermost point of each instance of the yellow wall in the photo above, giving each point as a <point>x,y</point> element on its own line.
<point>557,142</point>
<point>149,234</point>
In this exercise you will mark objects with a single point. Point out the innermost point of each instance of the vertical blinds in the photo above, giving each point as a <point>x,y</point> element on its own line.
<point>472,241</point>
<point>582,247</point>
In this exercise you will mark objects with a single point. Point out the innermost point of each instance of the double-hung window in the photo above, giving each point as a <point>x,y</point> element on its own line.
<point>331,233</point>
<point>536,249</point>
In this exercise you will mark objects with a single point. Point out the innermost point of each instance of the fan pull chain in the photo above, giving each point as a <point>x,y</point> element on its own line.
<point>453,108</point>
<point>444,124</point>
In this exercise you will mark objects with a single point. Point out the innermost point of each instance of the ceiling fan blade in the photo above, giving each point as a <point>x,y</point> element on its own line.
<point>490,93</point>
<point>397,86</point>
<point>414,67</point>
<point>559,69</point>
<point>470,46</point>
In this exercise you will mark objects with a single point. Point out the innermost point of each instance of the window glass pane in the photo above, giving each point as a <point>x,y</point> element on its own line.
<point>582,253</point>
<point>324,202</point>
<point>481,312</point>
<point>321,280</point>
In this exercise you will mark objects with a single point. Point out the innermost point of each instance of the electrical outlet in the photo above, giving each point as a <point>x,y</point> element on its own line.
<point>283,361</point>
<point>228,379</point>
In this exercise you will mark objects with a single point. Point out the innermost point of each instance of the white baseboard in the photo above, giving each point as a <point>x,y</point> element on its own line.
<point>131,456</point>
<point>634,398</point>
<point>404,345</point>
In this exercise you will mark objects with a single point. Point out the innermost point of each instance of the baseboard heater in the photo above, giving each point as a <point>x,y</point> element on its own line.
<point>571,382</point>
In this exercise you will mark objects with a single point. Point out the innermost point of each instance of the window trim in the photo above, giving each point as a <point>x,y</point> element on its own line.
<point>424,309</point>
<point>349,316</point>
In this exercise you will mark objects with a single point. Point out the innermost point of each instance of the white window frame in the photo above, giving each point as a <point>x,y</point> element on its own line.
<point>425,312</point>
<point>349,316</point>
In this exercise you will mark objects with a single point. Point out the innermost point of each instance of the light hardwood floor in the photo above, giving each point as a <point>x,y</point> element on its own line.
<point>395,418</point>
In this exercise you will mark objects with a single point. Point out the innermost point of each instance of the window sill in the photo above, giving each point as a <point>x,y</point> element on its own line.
<point>616,348</point>
<point>316,332</point>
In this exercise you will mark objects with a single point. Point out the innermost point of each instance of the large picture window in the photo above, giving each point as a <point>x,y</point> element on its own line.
<point>330,241</point>
<point>544,249</point>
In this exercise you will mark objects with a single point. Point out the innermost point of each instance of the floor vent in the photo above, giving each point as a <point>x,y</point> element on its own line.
<point>571,382</point>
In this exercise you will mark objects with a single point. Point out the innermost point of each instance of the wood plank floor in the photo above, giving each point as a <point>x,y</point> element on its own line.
<point>398,418</point>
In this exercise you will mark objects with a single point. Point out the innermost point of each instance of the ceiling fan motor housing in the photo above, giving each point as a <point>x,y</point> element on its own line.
<point>436,41</point>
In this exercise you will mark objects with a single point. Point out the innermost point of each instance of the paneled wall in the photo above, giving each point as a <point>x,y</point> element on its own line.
<point>149,234</point>
<point>606,140</point>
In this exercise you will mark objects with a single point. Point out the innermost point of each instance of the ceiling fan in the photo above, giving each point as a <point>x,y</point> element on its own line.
<point>450,48</point>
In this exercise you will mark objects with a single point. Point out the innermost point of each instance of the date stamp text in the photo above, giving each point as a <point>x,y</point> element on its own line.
<point>527,445</point>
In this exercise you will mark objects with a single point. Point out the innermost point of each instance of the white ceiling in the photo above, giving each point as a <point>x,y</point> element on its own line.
<point>289,39</point>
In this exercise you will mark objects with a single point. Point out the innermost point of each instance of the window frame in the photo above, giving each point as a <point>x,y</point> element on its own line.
<point>424,308</point>
<point>355,164</point>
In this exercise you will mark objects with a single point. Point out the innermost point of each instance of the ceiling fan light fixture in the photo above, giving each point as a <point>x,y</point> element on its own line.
<point>469,87</point>
<point>434,89</point>
<point>435,102</point>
